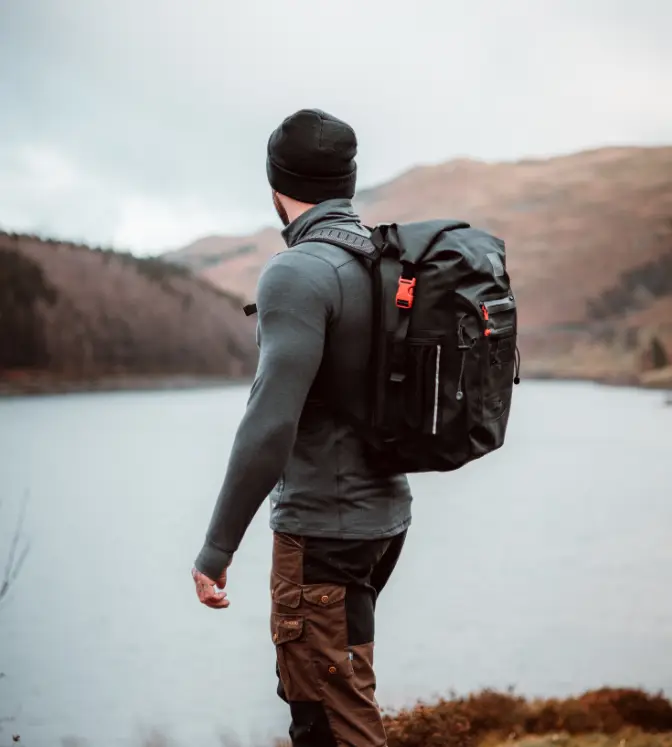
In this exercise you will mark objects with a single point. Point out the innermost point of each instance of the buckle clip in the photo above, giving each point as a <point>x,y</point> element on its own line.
<point>405,290</point>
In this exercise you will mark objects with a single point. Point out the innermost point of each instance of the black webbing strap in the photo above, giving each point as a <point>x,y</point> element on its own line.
<point>353,242</point>
<point>348,240</point>
<point>398,367</point>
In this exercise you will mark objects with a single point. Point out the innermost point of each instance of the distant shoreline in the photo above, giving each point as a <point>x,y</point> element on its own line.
<point>49,385</point>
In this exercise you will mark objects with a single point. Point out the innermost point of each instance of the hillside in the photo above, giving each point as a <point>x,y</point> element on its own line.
<point>589,237</point>
<point>71,314</point>
<point>230,262</point>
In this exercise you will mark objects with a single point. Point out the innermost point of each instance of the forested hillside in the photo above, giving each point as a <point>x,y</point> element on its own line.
<point>76,313</point>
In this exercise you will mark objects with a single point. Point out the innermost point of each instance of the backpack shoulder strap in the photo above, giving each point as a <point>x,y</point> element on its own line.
<point>359,245</point>
<point>348,240</point>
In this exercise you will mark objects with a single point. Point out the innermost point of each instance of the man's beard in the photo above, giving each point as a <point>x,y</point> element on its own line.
<point>280,210</point>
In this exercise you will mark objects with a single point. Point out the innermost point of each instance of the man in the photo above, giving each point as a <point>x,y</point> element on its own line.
<point>339,525</point>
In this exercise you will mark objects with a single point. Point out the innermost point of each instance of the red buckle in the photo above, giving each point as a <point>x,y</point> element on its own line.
<point>405,293</point>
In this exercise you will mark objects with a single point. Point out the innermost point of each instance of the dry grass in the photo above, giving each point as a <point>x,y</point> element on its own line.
<point>600,718</point>
<point>625,738</point>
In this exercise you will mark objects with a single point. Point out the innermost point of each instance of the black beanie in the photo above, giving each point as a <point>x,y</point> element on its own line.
<point>311,157</point>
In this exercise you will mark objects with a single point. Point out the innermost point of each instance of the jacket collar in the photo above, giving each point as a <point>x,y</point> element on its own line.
<point>329,212</point>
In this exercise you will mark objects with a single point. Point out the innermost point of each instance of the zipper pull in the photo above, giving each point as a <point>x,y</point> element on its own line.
<point>516,378</point>
<point>465,348</point>
<point>486,319</point>
<point>460,394</point>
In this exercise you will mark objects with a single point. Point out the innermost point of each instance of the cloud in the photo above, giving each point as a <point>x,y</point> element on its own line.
<point>151,223</point>
<point>158,111</point>
<point>36,179</point>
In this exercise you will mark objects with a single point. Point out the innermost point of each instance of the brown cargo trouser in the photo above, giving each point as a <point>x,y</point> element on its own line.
<point>324,595</point>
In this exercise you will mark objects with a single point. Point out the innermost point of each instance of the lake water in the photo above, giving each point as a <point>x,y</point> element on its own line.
<point>547,566</point>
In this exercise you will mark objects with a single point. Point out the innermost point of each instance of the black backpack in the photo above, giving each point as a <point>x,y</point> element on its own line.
<point>444,356</point>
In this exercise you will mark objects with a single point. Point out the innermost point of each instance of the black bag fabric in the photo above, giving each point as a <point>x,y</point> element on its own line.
<point>444,356</point>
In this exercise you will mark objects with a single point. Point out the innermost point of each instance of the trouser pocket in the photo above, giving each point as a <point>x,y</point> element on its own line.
<point>309,630</point>
<point>293,657</point>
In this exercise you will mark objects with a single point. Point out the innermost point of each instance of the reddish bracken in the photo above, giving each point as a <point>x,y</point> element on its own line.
<point>466,722</point>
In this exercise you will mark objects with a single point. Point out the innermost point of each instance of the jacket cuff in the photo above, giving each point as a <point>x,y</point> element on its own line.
<point>212,561</point>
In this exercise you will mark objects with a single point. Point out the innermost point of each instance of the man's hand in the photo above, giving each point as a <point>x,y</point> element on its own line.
<point>205,590</point>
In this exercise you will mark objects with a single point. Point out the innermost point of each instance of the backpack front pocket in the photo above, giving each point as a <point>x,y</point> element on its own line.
<point>425,360</point>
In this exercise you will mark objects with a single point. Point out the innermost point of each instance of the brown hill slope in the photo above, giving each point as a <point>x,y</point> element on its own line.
<point>230,262</point>
<point>589,240</point>
<point>74,313</point>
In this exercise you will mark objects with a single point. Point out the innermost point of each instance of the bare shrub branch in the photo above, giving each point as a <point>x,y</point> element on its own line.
<point>17,555</point>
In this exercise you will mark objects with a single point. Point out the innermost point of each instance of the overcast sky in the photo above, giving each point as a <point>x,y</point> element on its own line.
<point>143,123</point>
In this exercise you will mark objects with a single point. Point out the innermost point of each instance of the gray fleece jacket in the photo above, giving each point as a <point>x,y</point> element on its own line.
<point>314,320</point>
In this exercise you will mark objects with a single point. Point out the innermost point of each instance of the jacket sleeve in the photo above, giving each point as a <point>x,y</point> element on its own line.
<point>296,296</point>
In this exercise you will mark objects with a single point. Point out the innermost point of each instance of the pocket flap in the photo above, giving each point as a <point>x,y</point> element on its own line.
<point>324,594</point>
<point>286,594</point>
<point>285,628</point>
<point>497,305</point>
<point>341,665</point>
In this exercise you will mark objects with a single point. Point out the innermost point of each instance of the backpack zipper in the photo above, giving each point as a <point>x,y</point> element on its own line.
<point>436,390</point>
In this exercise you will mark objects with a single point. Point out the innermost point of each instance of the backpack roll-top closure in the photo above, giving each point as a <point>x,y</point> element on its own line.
<point>410,242</point>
